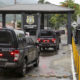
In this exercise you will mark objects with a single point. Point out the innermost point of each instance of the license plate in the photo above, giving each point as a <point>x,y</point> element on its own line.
<point>2,59</point>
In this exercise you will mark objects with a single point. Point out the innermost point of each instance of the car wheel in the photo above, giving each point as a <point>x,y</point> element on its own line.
<point>55,48</point>
<point>76,42</point>
<point>36,62</point>
<point>58,47</point>
<point>43,48</point>
<point>40,48</point>
<point>22,69</point>
<point>59,40</point>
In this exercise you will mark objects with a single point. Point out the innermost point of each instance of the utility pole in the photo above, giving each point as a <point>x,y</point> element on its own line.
<point>14,16</point>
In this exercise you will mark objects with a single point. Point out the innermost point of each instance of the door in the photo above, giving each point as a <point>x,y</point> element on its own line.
<point>30,50</point>
<point>33,49</point>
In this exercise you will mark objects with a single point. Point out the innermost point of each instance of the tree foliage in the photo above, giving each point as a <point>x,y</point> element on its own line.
<point>41,1</point>
<point>73,5</point>
<point>60,19</point>
<point>57,20</point>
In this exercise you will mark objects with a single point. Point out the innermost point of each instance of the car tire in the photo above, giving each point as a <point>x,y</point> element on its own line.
<point>40,48</point>
<point>59,40</point>
<point>43,48</point>
<point>22,69</point>
<point>55,48</point>
<point>76,42</point>
<point>58,47</point>
<point>36,62</point>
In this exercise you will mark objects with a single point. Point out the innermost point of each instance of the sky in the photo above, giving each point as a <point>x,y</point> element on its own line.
<point>20,1</point>
<point>57,2</point>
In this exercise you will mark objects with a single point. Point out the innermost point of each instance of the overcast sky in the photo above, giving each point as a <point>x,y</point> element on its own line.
<point>58,1</point>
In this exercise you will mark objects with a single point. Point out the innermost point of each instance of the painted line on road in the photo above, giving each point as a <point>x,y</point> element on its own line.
<point>48,76</point>
<point>72,64</point>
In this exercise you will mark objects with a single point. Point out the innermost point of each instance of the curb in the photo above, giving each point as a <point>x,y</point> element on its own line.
<point>72,64</point>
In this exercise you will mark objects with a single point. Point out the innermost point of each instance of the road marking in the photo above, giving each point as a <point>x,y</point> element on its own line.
<point>48,76</point>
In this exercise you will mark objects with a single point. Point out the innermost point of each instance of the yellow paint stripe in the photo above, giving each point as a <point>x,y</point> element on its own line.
<point>48,76</point>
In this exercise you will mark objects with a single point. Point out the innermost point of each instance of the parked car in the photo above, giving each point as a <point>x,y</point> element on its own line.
<point>77,35</point>
<point>17,51</point>
<point>47,39</point>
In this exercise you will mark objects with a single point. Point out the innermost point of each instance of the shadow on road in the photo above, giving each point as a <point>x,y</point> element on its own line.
<point>46,53</point>
<point>8,75</point>
<point>12,75</point>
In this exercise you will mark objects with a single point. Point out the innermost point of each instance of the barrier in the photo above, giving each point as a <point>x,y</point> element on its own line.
<point>76,58</point>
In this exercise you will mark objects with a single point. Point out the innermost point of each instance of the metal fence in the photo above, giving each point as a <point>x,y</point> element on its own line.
<point>76,58</point>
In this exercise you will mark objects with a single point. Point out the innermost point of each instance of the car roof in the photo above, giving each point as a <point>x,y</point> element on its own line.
<point>16,31</point>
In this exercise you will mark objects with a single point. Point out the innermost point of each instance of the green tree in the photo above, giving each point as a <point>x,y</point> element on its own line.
<point>41,1</point>
<point>19,24</point>
<point>57,20</point>
<point>73,5</point>
<point>60,19</point>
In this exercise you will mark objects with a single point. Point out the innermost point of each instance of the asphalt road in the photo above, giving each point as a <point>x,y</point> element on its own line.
<point>53,66</point>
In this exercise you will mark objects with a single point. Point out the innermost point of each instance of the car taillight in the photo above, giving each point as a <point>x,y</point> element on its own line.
<point>15,54</point>
<point>54,40</point>
<point>48,41</point>
<point>1,54</point>
<point>43,40</point>
<point>38,40</point>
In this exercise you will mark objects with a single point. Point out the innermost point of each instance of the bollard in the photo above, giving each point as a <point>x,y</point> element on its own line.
<point>77,66</point>
<point>76,56</point>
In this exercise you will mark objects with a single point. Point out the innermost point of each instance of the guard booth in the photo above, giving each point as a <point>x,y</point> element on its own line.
<point>39,10</point>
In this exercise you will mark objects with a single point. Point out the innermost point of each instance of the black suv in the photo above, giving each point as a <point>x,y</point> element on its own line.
<point>47,39</point>
<point>16,51</point>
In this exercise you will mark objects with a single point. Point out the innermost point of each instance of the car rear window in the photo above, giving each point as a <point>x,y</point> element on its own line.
<point>5,37</point>
<point>47,34</point>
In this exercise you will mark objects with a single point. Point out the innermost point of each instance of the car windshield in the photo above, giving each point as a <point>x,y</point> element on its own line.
<point>47,34</point>
<point>5,37</point>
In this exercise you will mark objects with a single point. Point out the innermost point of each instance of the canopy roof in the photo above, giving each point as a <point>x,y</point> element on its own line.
<point>34,8</point>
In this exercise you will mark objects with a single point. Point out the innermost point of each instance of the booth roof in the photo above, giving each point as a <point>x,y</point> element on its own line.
<point>34,8</point>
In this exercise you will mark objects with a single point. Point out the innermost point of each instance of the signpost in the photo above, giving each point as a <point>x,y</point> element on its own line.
<point>30,22</point>
<point>74,24</point>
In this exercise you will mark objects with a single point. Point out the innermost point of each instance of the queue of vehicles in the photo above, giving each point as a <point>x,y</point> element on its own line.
<point>18,51</point>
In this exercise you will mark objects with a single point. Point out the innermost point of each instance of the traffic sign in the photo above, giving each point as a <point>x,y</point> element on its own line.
<point>74,24</point>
